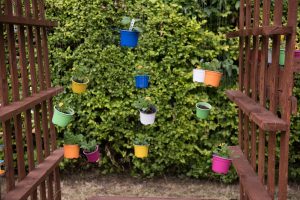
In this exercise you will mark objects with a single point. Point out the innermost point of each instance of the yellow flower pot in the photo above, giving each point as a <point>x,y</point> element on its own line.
<point>79,87</point>
<point>141,151</point>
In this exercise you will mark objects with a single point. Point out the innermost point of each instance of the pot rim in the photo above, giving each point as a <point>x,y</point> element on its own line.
<point>142,75</point>
<point>146,145</point>
<point>216,72</point>
<point>149,113</point>
<point>126,30</point>
<point>90,153</point>
<point>85,83</point>
<point>72,112</point>
<point>71,145</point>
<point>210,106</point>
<point>224,158</point>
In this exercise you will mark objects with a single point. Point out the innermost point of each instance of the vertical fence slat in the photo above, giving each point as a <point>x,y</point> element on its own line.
<point>254,81</point>
<point>288,91</point>
<point>16,97</point>
<point>8,151</point>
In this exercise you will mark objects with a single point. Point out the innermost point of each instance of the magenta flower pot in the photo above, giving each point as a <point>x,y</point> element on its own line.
<point>297,53</point>
<point>92,156</point>
<point>220,165</point>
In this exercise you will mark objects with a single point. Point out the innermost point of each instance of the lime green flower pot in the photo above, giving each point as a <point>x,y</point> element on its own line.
<point>282,57</point>
<point>203,110</point>
<point>62,119</point>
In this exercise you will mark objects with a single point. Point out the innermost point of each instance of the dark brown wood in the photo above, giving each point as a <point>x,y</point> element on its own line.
<point>274,84</point>
<point>18,20</point>
<point>264,31</point>
<point>25,19</point>
<point>288,91</point>
<point>265,119</point>
<point>20,106</point>
<point>296,65</point>
<point>248,177</point>
<point>142,198</point>
<point>36,176</point>
<point>15,93</point>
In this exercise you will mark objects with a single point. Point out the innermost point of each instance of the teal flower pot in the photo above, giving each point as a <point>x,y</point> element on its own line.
<point>203,110</point>
<point>62,119</point>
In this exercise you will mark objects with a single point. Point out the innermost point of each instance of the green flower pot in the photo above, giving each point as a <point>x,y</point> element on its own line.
<point>203,110</point>
<point>62,119</point>
<point>282,57</point>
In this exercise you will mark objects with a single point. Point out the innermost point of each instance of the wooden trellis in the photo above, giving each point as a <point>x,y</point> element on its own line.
<point>26,102</point>
<point>264,97</point>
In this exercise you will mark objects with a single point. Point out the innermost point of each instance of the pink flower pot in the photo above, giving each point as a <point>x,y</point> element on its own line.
<point>297,53</point>
<point>92,156</point>
<point>220,165</point>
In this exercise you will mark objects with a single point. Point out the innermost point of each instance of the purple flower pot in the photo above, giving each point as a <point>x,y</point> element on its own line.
<point>220,165</point>
<point>297,53</point>
<point>92,156</point>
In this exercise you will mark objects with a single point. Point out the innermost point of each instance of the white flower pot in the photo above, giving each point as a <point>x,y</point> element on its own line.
<point>269,56</point>
<point>147,119</point>
<point>198,75</point>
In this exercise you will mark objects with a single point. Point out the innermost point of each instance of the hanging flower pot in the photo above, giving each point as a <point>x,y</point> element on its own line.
<point>142,81</point>
<point>220,164</point>
<point>198,75</point>
<point>297,53</point>
<point>91,151</point>
<point>281,56</point>
<point>71,145</point>
<point>147,110</point>
<point>147,118</point>
<point>129,38</point>
<point>79,86</point>
<point>71,151</point>
<point>62,115</point>
<point>212,78</point>
<point>141,151</point>
<point>203,110</point>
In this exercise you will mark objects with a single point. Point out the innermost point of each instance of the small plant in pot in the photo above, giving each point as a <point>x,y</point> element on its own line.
<point>147,110</point>
<point>221,161</point>
<point>79,81</point>
<point>141,146</point>
<point>141,77</point>
<point>213,73</point>
<point>203,110</point>
<point>62,115</point>
<point>129,38</point>
<point>71,145</point>
<point>297,51</point>
<point>91,150</point>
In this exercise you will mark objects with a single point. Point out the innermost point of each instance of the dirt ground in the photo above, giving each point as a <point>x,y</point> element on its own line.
<point>82,186</point>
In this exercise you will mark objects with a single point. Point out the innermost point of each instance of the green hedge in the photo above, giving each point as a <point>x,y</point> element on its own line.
<point>175,35</point>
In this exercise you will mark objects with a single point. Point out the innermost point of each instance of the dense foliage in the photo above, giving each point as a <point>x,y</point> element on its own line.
<point>176,36</point>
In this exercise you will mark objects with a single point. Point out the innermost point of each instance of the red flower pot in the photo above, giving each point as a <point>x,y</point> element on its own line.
<point>93,156</point>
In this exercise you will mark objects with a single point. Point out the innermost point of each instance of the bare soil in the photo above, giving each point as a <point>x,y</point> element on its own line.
<point>85,185</point>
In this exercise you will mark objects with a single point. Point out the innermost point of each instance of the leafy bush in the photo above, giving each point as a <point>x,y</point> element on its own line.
<point>177,34</point>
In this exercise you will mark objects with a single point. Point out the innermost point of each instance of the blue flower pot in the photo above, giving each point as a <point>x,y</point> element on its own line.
<point>129,38</point>
<point>142,81</point>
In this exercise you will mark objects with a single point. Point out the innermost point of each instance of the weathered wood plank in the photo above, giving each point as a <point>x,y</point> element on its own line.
<point>15,108</point>
<point>142,198</point>
<point>35,177</point>
<point>26,21</point>
<point>265,119</point>
<point>264,31</point>
<point>288,92</point>
<point>253,187</point>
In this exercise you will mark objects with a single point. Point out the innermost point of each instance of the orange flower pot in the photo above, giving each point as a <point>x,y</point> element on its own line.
<point>71,151</point>
<point>212,78</point>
